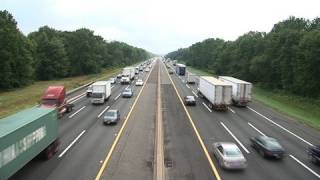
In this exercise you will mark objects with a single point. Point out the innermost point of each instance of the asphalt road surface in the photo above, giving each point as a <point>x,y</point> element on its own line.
<point>91,150</point>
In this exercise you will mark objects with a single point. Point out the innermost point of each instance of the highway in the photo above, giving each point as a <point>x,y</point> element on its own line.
<point>91,150</point>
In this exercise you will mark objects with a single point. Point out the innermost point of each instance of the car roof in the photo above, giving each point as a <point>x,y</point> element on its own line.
<point>190,97</point>
<point>266,138</point>
<point>112,110</point>
<point>228,145</point>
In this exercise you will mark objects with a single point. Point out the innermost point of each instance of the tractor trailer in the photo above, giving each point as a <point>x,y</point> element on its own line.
<point>191,78</point>
<point>218,93</point>
<point>181,69</point>
<point>25,135</point>
<point>241,90</point>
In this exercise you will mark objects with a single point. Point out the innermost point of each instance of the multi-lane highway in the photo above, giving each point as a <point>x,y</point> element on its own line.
<point>91,150</point>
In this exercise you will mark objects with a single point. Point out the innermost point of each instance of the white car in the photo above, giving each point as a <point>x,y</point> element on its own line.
<point>139,82</point>
<point>229,155</point>
<point>147,70</point>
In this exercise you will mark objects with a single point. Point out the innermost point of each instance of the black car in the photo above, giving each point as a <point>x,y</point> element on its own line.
<point>267,147</point>
<point>189,101</point>
<point>314,154</point>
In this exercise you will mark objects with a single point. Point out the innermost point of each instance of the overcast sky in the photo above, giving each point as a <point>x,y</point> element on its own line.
<point>159,26</point>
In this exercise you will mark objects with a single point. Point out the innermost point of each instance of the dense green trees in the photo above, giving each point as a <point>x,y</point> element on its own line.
<point>286,58</point>
<point>50,54</point>
<point>15,54</point>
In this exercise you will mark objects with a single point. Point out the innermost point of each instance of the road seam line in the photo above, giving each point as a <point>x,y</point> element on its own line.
<point>283,128</point>
<point>103,111</point>
<point>204,148</point>
<point>206,107</point>
<point>256,129</point>
<point>115,142</point>
<point>305,166</point>
<point>76,112</point>
<point>71,144</point>
<point>235,138</point>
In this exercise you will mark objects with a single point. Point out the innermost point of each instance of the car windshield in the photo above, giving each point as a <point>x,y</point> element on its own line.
<point>232,151</point>
<point>127,90</point>
<point>273,144</point>
<point>110,114</point>
<point>97,95</point>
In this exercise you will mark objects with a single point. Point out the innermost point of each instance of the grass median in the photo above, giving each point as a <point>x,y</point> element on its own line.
<point>18,99</point>
<point>305,110</point>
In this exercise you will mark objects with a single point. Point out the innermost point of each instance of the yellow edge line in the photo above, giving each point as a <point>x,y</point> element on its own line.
<point>105,163</point>
<point>213,168</point>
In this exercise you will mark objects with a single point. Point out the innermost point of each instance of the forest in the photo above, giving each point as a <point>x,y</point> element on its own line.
<point>287,58</point>
<point>49,54</point>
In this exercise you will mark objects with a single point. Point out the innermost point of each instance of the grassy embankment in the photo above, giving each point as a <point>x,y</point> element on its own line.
<point>305,110</point>
<point>18,99</point>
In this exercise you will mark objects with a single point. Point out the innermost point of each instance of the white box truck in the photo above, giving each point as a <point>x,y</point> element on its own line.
<point>101,91</point>
<point>191,78</point>
<point>218,93</point>
<point>241,90</point>
<point>127,75</point>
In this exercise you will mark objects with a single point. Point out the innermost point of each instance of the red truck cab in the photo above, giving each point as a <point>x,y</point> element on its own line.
<point>55,97</point>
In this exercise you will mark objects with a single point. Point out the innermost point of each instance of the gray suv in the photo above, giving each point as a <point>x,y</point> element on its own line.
<point>112,116</point>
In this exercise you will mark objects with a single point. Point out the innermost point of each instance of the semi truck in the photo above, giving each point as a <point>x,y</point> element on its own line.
<point>218,93</point>
<point>241,90</point>
<point>181,69</point>
<point>101,91</point>
<point>55,97</point>
<point>191,78</point>
<point>25,135</point>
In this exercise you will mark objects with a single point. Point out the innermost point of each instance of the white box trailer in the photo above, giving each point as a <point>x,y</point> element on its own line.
<point>218,93</point>
<point>181,69</point>
<point>241,90</point>
<point>191,78</point>
<point>101,91</point>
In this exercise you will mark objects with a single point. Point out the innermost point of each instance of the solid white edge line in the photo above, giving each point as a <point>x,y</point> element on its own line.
<point>71,144</point>
<point>283,128</point>
<point>305,166</point>
<point>117,97</point>
<point>194,93</point>
<point>76,112</point>
<point>231,110</point>
<point>235,138</point>
<point>188,86</point>
<point>103,111</point>
<point>256,129</point>
<point>207,107</point>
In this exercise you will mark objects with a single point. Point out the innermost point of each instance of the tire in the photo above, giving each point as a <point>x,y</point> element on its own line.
<point>262,153</point>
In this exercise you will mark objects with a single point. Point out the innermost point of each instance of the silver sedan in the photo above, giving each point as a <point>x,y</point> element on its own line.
<point>229,155</point>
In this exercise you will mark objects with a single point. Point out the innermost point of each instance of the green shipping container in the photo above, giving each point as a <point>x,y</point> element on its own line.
<point>23,136</point>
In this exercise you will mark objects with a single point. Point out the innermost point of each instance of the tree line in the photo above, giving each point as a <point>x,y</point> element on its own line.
<point>51,54</point>
<point>287,58</point>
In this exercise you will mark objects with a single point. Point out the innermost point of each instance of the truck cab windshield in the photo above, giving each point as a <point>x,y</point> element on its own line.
<point>96,95</point>
<point>49,102</point>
